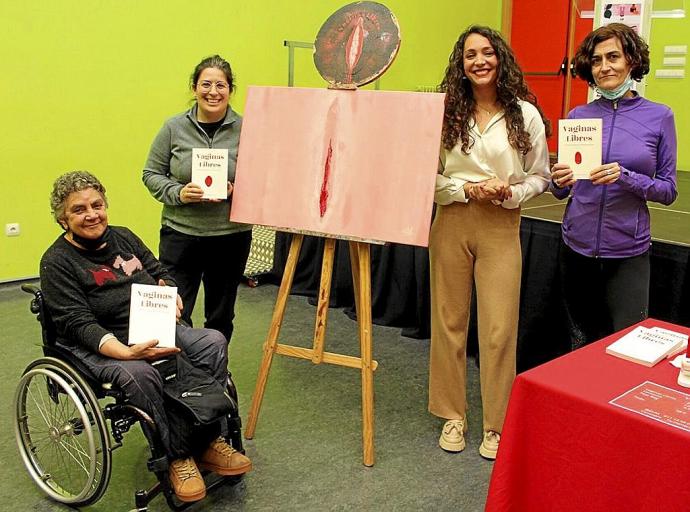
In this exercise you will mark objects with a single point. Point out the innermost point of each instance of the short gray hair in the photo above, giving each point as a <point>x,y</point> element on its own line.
<point>69,182</point>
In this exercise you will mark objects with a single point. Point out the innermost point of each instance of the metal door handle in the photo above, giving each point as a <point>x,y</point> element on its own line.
<point>562,69</point>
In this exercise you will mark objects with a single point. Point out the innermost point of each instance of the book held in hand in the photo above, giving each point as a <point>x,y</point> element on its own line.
<point>647,346</point>
<point>210,171</point>
<point>579,145</point>
<point>152,314</point>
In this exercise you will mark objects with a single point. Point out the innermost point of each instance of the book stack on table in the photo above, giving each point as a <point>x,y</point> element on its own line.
<point>648,345</point>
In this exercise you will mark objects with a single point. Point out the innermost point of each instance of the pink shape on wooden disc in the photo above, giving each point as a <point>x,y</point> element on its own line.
<point>356,44</point>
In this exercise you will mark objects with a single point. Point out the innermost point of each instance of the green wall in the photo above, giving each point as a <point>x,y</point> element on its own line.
<point>672,92</point>
<point>86,84</point>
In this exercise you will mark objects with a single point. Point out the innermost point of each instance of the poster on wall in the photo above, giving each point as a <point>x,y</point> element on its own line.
<point>628,13</point>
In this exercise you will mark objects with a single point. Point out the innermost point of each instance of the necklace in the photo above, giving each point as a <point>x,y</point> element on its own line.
<point>486,110</point>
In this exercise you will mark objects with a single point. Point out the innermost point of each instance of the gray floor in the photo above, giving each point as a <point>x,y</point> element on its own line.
<point>307,447</point>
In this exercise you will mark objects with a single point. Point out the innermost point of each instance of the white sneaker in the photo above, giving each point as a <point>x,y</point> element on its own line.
<point>453,436</point>
<point>489,446</point>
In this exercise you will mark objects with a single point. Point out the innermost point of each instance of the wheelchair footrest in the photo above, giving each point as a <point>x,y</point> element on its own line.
<point>159,465</point>
<point>121,420</point>
<point>143,497</point>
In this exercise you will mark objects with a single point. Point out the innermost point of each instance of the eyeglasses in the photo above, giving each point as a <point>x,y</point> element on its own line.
<point>206,86</point>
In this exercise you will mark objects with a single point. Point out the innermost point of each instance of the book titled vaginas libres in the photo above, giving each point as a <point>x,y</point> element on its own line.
<point>152,314</point>
<point>210,171</point>
<point>579,145</point>
<point>646,346</point>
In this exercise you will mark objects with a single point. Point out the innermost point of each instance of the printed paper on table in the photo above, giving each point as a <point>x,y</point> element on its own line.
<point>152,314</point>
<point>657,402</point>
<point>646,346</point>
<point>579,145</point>
<point>345,164</point>
<point>210,171</point>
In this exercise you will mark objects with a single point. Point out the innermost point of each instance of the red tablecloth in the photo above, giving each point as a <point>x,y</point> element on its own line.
<point>565,448</point>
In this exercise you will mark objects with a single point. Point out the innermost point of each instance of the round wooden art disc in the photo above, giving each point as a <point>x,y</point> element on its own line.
<point>356,44</point>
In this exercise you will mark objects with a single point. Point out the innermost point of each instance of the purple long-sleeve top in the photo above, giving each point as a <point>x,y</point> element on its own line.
<point>612,221</point>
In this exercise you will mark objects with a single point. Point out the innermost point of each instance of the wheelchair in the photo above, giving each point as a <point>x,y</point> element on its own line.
<point>62,431</point>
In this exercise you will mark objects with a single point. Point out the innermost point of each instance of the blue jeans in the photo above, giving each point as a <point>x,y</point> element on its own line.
<point>207,349</point>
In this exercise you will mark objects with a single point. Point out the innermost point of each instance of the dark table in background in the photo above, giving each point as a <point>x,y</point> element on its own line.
<point>400,287</point>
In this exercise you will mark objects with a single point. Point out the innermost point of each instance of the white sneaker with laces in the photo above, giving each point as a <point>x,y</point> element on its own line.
<point>489,446</point>
<point>453,436</point>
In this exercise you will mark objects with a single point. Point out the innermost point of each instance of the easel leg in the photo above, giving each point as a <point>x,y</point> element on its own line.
<point>324,300</point>
<point>354,263</point>
<point>361,271</point>
<point>271,339</point>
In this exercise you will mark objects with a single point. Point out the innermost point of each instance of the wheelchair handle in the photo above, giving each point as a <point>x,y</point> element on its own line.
<point>34,290</point>
<point>30,288</point>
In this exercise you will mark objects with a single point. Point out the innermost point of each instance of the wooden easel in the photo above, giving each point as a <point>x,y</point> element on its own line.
<point>361,277</point>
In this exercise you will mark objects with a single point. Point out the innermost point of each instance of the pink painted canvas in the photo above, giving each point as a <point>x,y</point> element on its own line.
<point>345,164</point>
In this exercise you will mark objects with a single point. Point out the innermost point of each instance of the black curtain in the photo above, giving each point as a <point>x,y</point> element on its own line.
<point>400,287</point>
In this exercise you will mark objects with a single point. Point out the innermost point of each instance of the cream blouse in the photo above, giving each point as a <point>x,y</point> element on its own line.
<point>492,156</point>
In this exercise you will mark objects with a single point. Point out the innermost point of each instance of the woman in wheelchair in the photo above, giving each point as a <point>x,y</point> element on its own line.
<point>86,276</point>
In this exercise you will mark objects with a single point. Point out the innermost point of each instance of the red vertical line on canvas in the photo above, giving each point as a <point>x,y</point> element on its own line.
<point>323,197</point>
<point>353,48</point>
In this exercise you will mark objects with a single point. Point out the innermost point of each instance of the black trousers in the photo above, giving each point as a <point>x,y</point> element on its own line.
<point>217,261</point>
<point>603,295</point>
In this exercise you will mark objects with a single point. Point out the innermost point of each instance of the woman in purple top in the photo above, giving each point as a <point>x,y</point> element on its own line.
<point>605,257</point>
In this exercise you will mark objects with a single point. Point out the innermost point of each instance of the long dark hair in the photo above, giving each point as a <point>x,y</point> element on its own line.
<point>510,87</point>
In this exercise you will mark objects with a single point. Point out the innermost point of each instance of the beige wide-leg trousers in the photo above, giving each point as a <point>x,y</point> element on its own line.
<point>478,243</point>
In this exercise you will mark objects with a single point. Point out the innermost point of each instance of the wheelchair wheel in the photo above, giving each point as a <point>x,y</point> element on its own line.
<point>61,433</point>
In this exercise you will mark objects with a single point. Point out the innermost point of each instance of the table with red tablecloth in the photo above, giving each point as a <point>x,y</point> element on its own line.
<point>564,447</point>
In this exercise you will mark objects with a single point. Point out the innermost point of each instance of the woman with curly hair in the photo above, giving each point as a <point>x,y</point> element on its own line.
<point>494,158</point>
<point>605,231</point>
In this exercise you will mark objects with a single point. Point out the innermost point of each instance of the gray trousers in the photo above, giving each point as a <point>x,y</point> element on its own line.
<point>207,349</point>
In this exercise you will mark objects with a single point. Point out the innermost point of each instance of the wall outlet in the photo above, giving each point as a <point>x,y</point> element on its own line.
<point>12,229</point>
